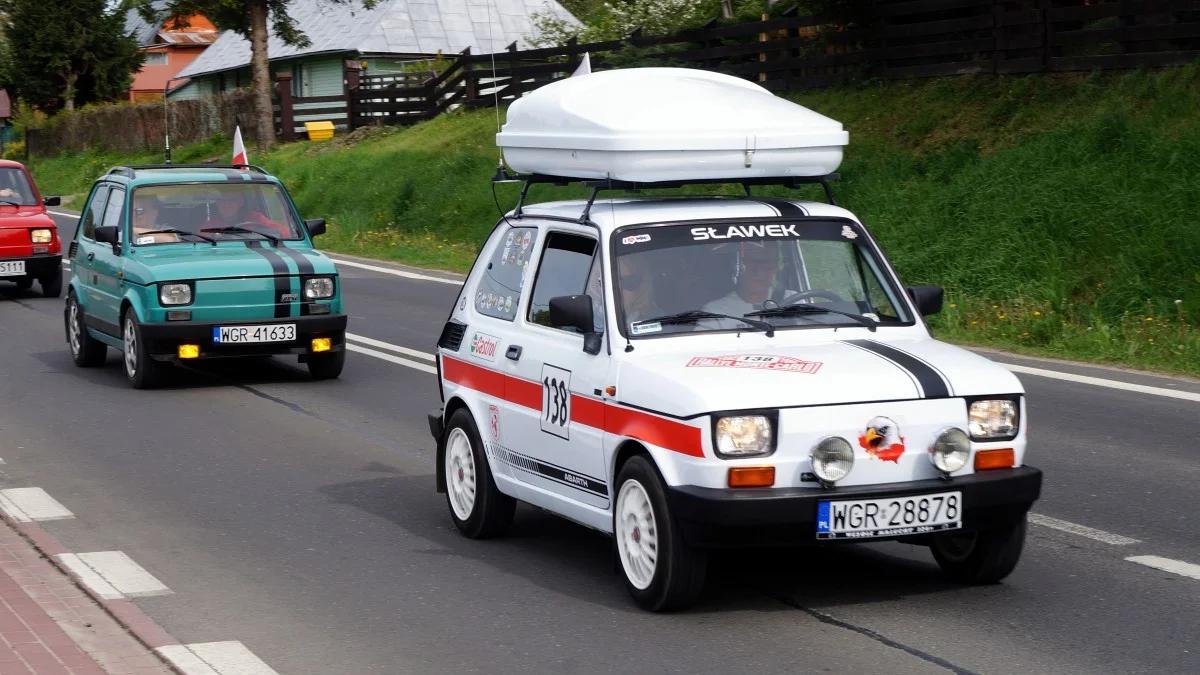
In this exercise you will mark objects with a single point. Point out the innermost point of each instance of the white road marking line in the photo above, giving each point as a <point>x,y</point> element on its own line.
<point>1100,382</point>
<point>1167,565</point>
<point>64,215</point>
<point>389,346</point>
<point>89,577</point>
<point>215,658</point>
<point>393,359</point>
<point>117,572</point>
<point>1081,530</point>
<point>398,273</point>
<point>26,504</point>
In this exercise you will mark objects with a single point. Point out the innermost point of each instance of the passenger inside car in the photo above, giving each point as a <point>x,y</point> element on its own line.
<point>637,289</point>
<point>146,209</point>
<point>233,210</point>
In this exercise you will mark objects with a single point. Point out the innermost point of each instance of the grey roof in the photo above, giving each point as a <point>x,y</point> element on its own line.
<point>408,27</point>
<point>143,31</point>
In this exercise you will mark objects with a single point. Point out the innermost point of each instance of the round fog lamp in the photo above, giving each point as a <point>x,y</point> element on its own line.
<point>951,450</point>
<point>832,459</point>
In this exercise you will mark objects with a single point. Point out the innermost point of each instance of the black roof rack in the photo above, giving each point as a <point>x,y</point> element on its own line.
<point>131,170</point>
<point>598,184</point>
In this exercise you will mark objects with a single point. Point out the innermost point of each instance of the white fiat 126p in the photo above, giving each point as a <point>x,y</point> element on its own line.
<point>687,373</point>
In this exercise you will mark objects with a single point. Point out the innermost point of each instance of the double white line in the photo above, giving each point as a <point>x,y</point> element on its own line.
<point>355,343</point>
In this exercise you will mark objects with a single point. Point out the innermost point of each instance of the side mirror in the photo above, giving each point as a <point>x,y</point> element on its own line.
<point>575,311</point>
<point>107,234</point>
<point>52,201</point>
<point>928,299</point>
<point>315,226</point>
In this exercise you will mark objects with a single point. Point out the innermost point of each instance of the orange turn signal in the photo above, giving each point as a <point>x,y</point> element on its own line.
<point>751,476</point>
<point>189,351</point>
<point>995,459</point>
<point>322,344</point>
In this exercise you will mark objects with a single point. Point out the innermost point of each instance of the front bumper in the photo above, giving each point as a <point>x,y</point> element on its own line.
<point>163,339</point>
<point>716,517</point>
<point>36,266</point>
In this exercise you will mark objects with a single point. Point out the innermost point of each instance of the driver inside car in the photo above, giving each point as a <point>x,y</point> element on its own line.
<point>233,211</point>
<point>757,264</point>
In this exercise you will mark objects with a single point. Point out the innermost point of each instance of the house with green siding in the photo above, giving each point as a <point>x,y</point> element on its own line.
<point>384,40</point>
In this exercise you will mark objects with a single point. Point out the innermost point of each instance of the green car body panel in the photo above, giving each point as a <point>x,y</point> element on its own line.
<point>240,280</point>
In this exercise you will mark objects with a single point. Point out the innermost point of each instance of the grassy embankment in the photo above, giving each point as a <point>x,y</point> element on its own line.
<point>1060,212</point>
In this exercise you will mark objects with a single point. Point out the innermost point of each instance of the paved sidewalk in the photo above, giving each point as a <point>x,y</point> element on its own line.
<point>49,626</point>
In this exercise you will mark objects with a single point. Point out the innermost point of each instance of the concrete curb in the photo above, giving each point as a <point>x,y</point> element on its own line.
<point>144,629</point>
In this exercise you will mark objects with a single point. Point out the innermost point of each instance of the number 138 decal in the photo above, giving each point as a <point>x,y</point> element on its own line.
<point>556,400</point>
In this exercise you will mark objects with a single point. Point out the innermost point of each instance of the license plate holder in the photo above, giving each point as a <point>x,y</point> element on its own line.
<point>271,333</point>
<point>889,516</point>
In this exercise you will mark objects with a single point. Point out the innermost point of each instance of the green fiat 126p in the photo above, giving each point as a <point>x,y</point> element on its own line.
<point>174,263</point>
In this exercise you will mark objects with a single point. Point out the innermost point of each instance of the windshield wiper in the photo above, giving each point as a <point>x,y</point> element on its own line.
<point>691,316</point>
<point>172,230</point>
<point>816,309</point>
<point>10,203</point>
<point>241,230</point>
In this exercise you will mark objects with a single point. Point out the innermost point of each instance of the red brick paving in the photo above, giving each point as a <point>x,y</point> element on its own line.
<point>49,626</point>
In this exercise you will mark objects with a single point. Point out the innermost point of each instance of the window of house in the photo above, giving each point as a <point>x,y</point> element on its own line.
<point>156,59</point>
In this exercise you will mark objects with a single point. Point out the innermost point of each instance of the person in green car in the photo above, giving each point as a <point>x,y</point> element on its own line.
<point>232,210</point>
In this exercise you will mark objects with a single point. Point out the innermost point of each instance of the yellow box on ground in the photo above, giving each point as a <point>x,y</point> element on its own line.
<point>319,131</point>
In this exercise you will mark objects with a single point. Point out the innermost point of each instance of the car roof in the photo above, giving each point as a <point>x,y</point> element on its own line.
<point>187,173</point>
<point>614,213</point>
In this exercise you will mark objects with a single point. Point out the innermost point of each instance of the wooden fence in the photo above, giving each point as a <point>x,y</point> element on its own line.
<point>894,39</point>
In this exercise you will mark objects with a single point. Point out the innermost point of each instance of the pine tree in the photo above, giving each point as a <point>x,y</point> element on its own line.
<point>67,53</point>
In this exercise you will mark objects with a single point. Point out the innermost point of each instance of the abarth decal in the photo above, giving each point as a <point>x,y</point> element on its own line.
<point>757,362</point>
<point>931,381</point>
<point>594,413</point>
<point>550,471</point>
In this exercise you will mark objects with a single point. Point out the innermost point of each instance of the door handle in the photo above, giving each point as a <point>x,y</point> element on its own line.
<point>514,352</point>
<point>91,255</point>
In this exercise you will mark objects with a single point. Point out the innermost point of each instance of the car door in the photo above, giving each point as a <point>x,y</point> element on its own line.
<point>107,262</point>
<point>557,423</point>
<point>82,255</point>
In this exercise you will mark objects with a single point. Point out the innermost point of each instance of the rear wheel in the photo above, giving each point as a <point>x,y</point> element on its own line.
<point>326,366</point>
<point>142,371</point>
<point>661,572</point>
<point>25,283</point>
<point>52,285</point>
<point>86,351</point>
<point>479,509</point>
<point>983,557</point>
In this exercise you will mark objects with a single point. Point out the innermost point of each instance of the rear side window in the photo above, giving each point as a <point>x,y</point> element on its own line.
<point>500,288</point>
<point>95,212</point>
<point>565,270</point>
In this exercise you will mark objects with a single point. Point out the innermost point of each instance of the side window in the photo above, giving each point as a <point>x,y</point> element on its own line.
<point>95,212</point>
<point>595,290</point>
<point>565,269</point>
<point>115,209</point>
<point>499,290</point>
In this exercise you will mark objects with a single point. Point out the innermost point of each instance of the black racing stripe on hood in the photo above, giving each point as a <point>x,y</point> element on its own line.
<point>783,206</point>
<point>933,383</point>
<point>303,265</point>
<point>283,285</point>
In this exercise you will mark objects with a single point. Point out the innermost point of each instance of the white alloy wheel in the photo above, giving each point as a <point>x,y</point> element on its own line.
<point>73,329</point>
<point>460,473</point>
<point>131,359</point>
<point>637,534</point>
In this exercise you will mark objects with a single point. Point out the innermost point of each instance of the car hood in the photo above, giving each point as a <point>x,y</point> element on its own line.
<point>24,217</point>
<point>204,261</point>
<point>687,383</point>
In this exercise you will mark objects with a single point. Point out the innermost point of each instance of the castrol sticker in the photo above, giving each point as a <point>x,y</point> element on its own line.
<point>756,362</point>
<point>483,346</point>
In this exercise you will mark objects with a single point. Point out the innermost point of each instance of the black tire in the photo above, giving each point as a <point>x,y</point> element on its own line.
<point>86,351</point>
<point>678,572</point>
<point>52,285</point>
<point>25,283</point>
<point>326,366</point>
<point>490,512</point>
<point>985,557</point>
<point>141,371</point>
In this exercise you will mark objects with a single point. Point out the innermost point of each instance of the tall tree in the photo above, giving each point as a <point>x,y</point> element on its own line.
<point>67,53</point>
<point>250,19</point>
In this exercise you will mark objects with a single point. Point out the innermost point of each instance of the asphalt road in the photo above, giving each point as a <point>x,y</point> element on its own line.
<point>300,518</point>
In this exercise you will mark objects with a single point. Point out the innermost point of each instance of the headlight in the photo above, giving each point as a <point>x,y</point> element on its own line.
<point>832,459</point>
<point>175,294</point>
<point>951,450</point>
<point>992,419</point>
<point>743,436</point>
<point>41,236</point>
<point>318,289</point>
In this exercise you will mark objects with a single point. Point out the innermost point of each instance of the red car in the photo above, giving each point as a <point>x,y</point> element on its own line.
<point>29,245</point>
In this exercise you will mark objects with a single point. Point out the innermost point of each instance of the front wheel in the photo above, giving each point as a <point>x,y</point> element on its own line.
<point>326,366</point>
<point>661,572</point>
<point>479,509</point>
<point>983,557</point>
<point>142,371</point>
<point>52,285</point>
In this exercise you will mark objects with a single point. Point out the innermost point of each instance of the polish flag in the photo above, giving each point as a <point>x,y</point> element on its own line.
<point>239,149</point>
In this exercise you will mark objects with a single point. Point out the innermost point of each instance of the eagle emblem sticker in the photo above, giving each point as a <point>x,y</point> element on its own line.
<point>882,440</point>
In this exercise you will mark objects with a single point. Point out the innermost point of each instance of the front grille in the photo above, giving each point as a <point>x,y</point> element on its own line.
<point>452,335</point>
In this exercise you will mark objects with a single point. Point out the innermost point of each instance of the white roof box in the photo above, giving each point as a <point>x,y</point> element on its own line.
<point>666,124</point>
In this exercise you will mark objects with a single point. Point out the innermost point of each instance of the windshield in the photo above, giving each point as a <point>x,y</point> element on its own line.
<point>737,269</point>
<point>220,211</point>
<point>15,187</point>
